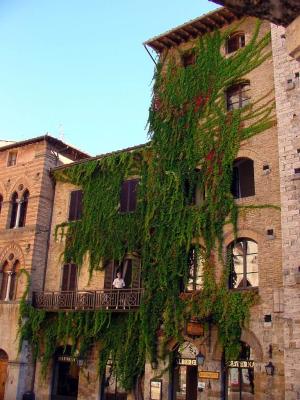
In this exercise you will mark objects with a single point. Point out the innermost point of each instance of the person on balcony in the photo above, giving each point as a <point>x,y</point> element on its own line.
<point>118,282</point>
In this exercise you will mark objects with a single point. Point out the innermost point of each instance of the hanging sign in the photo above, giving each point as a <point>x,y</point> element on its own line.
<point>186,361</point>
<point>209,375</point>
<point>240,364</point>
<point>155,389</point>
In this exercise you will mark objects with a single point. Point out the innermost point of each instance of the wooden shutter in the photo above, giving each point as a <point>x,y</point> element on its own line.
<point>75,210</point>
<point>109,275</point>
<point>133,183</point>
<point>136,273</point>
<point>69,277</point>
<point>235,185</point>
<point>246,172</point>
<point>1,201</point>
<point>127,272</point>
<point>128,197</point>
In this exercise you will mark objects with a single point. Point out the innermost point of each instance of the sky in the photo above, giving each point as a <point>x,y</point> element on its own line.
<point>77,69</point>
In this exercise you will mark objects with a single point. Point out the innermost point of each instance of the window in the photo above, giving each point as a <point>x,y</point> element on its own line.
<point>18,210</point>
<point>12,158</point>
<point>9,279</point>
<point>13,209</point>
<point>75,210</point>
<point>243,267</point>
<point>128,197</point>
<point>188,58</point>
<point>235,42</point>
<point>243,178</point>
<point>237,96</point>
<point>194,194</point>
<point>1,202</point>
<point>130,269</point>
<point>69,278</point>
<point>196,266</point>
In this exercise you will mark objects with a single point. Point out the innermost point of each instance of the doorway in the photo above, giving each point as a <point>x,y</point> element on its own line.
<point>3,372</point>
<point>65,376</point>
<point>185,381</point>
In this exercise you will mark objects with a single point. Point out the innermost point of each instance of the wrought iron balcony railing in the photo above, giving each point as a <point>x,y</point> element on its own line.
<point>108,299</point>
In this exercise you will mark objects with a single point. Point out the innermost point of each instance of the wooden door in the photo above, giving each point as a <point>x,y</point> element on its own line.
<point>3,373</point>
<point>191,383</point>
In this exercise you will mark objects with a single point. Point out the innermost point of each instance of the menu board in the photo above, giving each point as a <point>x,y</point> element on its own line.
<point>155,389</point>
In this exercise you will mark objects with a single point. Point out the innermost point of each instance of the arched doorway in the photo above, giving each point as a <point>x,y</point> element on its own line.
<point>3,372</point>
<point>65,375</point>
<point>185,372</point>
<point>240,376</point>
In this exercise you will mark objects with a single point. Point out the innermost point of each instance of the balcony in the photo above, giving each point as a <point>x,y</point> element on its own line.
<point>115,300</point>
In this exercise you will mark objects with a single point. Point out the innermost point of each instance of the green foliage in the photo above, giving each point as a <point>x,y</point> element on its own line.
<point>189,127</point>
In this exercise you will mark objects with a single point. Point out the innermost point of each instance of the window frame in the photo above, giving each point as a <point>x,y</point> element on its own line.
<point>237,90</point>
<point>196,263</point>
<point>129,195</point>
<point>240,38</point>
<point>230,263</point>
<point>12,158</point>
<point>75,205</point>
<point>239,186</point>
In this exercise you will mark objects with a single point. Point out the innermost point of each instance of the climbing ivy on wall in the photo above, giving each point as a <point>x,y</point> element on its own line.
<point>189,128</point>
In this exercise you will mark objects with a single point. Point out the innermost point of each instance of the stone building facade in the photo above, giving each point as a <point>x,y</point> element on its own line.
<point>26,198</point>
<point>268,338</point>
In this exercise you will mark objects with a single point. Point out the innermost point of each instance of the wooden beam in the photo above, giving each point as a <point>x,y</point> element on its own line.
<point>178,39</point>
<point>184,33</point>
<point>173,43</point>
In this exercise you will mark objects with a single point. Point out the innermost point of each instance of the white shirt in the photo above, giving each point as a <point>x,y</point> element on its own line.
<point>118,283</point>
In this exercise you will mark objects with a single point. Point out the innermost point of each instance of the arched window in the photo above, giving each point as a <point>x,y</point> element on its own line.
<point>243,178</point>
<point>1,202</point>
<point>196,266</point>
<point>234,42</point>
<point>9,279</point>
<point>23,209</point>
<point>13,209</point>
<point>243,266</point>
<point>237,96</point>
<point>18,209</point>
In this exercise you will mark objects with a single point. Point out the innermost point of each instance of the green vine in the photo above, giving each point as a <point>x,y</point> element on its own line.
<point>189,128</point>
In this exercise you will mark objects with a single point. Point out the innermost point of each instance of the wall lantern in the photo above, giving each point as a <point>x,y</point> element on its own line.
<point>200,358</point>
<point>270,368</point>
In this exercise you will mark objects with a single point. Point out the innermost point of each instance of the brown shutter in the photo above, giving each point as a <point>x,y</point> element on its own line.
<point>72,277</point>
<point>133,183</point>
<point>109,275</point>
<point>136,273</point>
<point>1,201</point>
<point>127,273</point>
<point>65,278</point>
<point>75,210</point>
<point>124,196</point>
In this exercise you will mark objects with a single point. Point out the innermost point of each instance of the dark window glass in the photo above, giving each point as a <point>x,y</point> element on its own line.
<point>235,42</point>
<point>128,196</point>
<point>1,202</point>
<point>4,281</point>
<point>237,96</point>
<point>188,58</point>
<point>75,211</point>
<point>14,209</point>
<point>243,267</point>
<point>12,158</point>
<point>69,278</point>
<point>191,188</point>
<point>23,208</point>
<point>195,266</point>
<point>243,178</point>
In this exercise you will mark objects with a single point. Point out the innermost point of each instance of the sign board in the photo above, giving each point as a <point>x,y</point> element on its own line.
<point>240,364</point>
<point>186,361</point>
<point>209,375</point>
<point>155,389</point>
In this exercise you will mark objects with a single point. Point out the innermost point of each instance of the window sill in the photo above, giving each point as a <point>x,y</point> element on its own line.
<point>247,289</point>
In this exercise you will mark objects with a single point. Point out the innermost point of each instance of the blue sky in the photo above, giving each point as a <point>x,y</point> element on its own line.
<point>77,69</point>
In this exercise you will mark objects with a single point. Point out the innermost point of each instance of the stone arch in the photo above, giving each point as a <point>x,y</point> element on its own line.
<point>253,234</point>
<point>20,186</point>
<point>249,338</point>
<point>15,250</point>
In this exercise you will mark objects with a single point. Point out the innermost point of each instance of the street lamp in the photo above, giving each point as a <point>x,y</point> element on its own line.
<point>270,368</point>
<point>200,358</point>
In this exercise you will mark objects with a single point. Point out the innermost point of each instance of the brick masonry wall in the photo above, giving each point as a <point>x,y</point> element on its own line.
<point>288,117</point>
